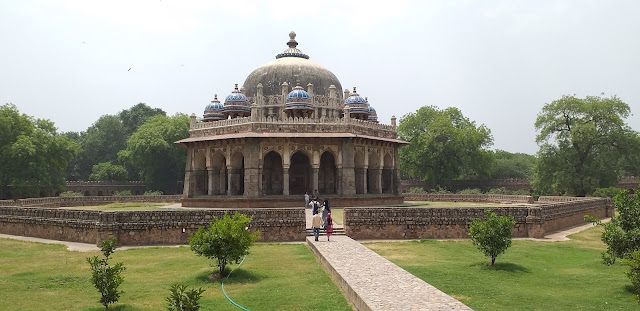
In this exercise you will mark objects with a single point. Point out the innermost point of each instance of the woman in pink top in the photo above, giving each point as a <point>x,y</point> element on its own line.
<point>329,225</point>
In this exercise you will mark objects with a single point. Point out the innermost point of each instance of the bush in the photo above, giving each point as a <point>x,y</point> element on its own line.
<point>622,233</point>
<point>67,194</point>
<point>106,278</point>
<point>182,299</point>
<point>607,192</point>
<point>153,192</point>
<point>226,240</point>
<point>501,190</point>
<point>439,190</point>
<point>123,193</point>
<point>470,191</point>
<point>417,190</point>
<point>493,235</point>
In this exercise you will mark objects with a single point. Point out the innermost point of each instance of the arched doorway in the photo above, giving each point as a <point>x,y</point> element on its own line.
<point>373,173</point>
<point>200,173</point>
<point>300,174</point>
<point>236,175</point>
<point>327,175</point>
<point>359,172</point>
<point>219,173</point>
<point>387,174</point>
<point>272,173</point>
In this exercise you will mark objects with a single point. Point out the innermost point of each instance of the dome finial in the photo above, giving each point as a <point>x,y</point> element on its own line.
<point>236,86</point>
<point>354,89</point>
<point>292,40</point>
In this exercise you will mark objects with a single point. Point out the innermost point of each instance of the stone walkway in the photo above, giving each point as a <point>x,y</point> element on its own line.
<point>371,282</point>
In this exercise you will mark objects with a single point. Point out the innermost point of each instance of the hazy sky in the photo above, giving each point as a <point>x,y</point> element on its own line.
<point>499,62</point>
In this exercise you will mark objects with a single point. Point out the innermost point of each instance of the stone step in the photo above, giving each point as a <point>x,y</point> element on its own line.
<point>336,231</point>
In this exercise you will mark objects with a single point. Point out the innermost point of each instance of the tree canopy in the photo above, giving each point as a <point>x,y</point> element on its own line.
<point>151,150</point>
<point>106,171</point>
<point>443,146</point>
<point>512,165</point>
<point>33,156</point>
<point>584,144</point>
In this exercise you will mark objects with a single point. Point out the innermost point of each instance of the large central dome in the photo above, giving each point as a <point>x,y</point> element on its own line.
<point>291,66</point>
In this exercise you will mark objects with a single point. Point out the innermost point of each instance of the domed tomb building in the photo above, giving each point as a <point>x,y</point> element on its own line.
<point>288,130</point>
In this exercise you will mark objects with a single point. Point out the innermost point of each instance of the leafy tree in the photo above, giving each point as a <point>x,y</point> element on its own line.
<point>151,149</point>
<point>493,235</point>
<point>106,171</point>
<point>512,165</point>
<point>182,299</point>
<point>633,262</point>
<point>608,192</point>
<point>33,156</point>
<point>444,146</point>
<point>101,143</point>
<point>137,115</point>
<point>622,233</point>
<point>226,240</point>
<point>584,144</point>
<point>105,277</point>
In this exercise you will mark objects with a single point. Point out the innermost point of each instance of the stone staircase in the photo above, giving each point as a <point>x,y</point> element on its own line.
<point>336,231</point>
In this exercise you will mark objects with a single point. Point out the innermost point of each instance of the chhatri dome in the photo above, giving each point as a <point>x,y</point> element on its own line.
<point>291,66</point>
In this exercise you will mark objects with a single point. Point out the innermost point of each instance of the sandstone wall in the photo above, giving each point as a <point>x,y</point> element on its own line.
<point>558,216</point>
<point>89,201</point>
<point>494,198</point>
<point>142,228</point>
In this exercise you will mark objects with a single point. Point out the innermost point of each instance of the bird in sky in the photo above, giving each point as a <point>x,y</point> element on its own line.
<point>129,69</point>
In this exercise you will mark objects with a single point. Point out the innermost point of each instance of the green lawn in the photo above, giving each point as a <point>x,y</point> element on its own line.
<point>529,276</point>
<point>37,276</point>
<point>134,206</point>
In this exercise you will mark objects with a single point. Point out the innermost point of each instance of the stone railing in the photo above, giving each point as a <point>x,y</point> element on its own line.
<point>299,125</point>
<point>549,199</point>
<point>495,198</point>
<point>142,228</point>
<point>89,200</point>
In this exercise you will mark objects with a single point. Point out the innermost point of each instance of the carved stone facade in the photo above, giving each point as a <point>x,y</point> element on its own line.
<point>292,142</point>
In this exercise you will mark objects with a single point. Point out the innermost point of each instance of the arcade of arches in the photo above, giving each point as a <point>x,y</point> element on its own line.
<point>290,166</point>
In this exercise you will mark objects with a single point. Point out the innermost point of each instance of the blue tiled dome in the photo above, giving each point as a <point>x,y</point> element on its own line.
<point>357,103</point>
<point>236,105</point>
<point>298,99</point>
<point>235,98</point>
<point>373,116</point>
<point>213,111</point>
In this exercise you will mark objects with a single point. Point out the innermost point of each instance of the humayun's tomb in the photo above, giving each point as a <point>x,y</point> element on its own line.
<point>290,130</point>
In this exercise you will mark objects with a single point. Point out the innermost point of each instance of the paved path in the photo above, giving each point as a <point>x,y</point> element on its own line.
<point>371,282</point>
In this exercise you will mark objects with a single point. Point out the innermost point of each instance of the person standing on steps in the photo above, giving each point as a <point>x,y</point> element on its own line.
<point>316,224</point>
<point>329,225</point>
<point>326,209</point>
<point>306,200</point>
<point>315,205</point>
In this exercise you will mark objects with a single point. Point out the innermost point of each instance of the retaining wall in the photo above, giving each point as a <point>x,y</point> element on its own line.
<point>89,201</point>
<point>142,228</point>
<point>494,198</point>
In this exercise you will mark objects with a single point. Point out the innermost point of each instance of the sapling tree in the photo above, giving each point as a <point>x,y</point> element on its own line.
<point>105,277</point>
<point>226,240</point>
<point>182,299</point>
<point>493,235</point>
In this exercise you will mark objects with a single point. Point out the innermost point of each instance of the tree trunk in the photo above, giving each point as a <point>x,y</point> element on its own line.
<point>493,260</point>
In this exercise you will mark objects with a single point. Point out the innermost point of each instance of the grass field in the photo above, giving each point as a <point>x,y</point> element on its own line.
<point>37,276</point>
<point>529,276</point>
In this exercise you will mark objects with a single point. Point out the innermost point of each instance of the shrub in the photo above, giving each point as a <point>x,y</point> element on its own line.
<point>417,190</point>
<point>71,194</point>
<point>607,192</point>
<point>470,191</point>
<point>105,277</point>
<point>226,240</point>
<point>182,299</point>
<point>439,190</point>
<point>501,190</point>
<point>493,235</point>
<point>123,193</point>
<point>622,233</point>
<point>153,192</point>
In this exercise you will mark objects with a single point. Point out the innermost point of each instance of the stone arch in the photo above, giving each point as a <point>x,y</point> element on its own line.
<point>219,173</point>
<point>236,174</point>
<point>373,172</point>
<point>358,161</point>
<point>200,173</point>
<point>300,173</point>
<point>87,194</point>
<point>272,173</point>
<point>100,193</point>
<point>328,174</point>
<point>387,174</point>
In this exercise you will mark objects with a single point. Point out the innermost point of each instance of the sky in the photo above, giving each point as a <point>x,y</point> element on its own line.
<point>499,62</point>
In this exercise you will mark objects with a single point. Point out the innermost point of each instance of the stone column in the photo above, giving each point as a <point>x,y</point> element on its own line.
<point>348,176</point>
<point>229,180</point>
<point>187,191</point>
<point>314,180</point>
<point>365,179</point>
<point>210,181</point>
<point>379,181</point>
<point>251,163</point>
<point>285,180</point>
<point>222,182</point>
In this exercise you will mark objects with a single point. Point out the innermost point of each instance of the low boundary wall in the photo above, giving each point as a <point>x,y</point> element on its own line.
<point>89,201</point>
<point>494,198</point>
<point>439,223</point>
<point>288,201</point>
<point>144,227</point>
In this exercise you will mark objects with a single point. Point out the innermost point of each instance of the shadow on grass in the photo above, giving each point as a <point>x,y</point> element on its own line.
<point>238,276</point>
<point>501,266</point>
<point>116,307</point>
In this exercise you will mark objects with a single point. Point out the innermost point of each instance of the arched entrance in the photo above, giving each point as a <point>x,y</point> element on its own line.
<point>327,175</point>
<point>272,173</point>
<point>373,173</point>
<point>199,171</point>
<point>219,174</point>
<point>300,174</point>
<point>359,172</point>
<point>236,175</point>
<point>387,174</point>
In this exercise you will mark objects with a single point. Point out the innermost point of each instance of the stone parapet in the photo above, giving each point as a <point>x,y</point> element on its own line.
<point>494,198</point>
<point>89,201</point>
<point>550,199</point>
<point>144,227</point>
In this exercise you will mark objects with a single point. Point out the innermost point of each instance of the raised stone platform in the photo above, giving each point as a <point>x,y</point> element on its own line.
<point>371,282</point>
<point>278,201</point>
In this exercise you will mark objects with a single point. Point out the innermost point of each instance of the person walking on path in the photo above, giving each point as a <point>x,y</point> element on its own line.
<point>326,209</point>
<point>314,206</point>
<point>316,224</point>
<point>306,200</point>
<point>329,226</point>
